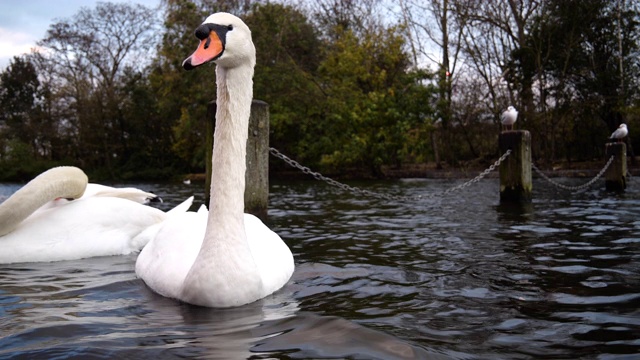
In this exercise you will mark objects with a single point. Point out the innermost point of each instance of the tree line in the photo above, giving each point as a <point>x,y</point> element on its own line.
<point>352,85</point>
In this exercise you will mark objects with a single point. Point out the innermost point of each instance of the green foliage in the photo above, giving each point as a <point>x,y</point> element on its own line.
<point>18,95</point>
<point>17,162</point>
<point>288,53</point>
<point>149,133</point>
<point>374,100</point>
<point>183,95</point>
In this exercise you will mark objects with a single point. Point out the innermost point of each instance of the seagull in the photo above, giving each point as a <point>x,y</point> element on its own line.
<point>509,118</point>
<point>620,132</point>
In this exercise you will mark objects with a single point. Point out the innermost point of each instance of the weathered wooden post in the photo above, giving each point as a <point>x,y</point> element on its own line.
<point>615,177</point>
<point>515,171</point>
<point>256,193</point>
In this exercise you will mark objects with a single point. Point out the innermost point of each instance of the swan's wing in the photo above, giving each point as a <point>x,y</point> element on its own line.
<point>272,256</point>
<point>96,226</point>
<point>128,193</point>
<point>151,232</point>
<point>99,190</point>
<point>164,262</point>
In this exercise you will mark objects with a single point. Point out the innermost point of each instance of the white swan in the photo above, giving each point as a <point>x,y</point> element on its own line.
<point>85,227</point>
<point>221,257</point>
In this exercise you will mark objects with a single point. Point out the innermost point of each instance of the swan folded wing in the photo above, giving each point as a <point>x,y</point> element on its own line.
<point>142,239</point>
<point>271,255</point>
<point>95,226</point>
<point>161,264</point>
<point>99,190</point>
<point>128,193</point>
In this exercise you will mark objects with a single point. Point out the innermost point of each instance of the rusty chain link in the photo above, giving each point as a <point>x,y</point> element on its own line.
<point>356,190</point>
<point>578,187</point>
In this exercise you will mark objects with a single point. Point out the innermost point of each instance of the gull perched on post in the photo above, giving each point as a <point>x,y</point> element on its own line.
<point>620,133</point>
<point>509,118</point>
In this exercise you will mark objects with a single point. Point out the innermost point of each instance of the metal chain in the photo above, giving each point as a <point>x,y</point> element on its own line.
<point>356,190</point>
<point>579,187</point>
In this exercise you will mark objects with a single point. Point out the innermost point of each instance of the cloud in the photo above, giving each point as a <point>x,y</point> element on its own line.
<point>23,23</point>
<point>14,43</point>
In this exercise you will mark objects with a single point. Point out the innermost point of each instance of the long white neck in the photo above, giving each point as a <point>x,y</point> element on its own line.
<point>59,182</point>
<point>234,95</point>
<point>225,259</point>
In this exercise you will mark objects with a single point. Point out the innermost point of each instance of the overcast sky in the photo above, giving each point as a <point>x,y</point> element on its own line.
<point>23,22</point>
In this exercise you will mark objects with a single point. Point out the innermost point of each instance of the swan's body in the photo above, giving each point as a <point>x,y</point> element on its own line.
<point>86,227</point>
<point>221,257</point>
<point>166,260</point>
<point>509,118</point>
<point>620,133</point>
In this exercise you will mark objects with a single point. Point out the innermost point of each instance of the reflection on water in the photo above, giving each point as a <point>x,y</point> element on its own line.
<point>459,277</point>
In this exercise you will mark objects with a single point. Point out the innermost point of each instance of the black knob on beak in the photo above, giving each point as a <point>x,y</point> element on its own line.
<point>203,31</point>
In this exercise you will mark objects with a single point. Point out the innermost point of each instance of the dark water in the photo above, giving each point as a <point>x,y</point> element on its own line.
<point>461,277</point>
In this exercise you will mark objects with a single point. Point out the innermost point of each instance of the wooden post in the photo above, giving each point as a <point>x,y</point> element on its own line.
<point>616,175</point>
<point>256,193</point>
<point>515,171</point>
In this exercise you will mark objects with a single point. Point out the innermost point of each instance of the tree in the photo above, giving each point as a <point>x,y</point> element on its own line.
<point>19,92</point>
<point>27,134</point>
<point>367,85</point>
<point>441,23</point>
<point>582,81</point>
<point>148,152</point>
<point>289,52</point>
<point>87,55</point>
<point>182,96</point>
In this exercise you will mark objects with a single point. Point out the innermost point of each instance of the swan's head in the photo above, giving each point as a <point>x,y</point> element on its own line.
<point>224,39</point>
<point>511,108</point>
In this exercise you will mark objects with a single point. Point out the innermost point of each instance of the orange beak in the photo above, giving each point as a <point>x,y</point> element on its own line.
<point>209,49</point>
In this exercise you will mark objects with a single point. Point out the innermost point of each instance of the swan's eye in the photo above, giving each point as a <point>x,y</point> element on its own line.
<point>229,27</point>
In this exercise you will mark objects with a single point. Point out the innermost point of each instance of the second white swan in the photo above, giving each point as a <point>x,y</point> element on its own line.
<point>35,227</point>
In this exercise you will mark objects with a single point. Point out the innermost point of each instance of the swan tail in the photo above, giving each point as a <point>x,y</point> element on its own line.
<point>182,207</point>
<point>203,210</point>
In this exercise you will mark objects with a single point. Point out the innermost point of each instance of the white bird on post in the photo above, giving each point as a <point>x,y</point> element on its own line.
<point>620,133</point>
<point>509,118</point>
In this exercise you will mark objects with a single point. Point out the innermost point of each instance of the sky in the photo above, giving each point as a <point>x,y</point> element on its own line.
<point>23,22</point>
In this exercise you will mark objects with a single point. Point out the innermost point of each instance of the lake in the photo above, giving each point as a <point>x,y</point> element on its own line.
<point>459,277</point>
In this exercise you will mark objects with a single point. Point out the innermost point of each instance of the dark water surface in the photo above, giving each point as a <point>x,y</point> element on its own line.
<point>461,277</point>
